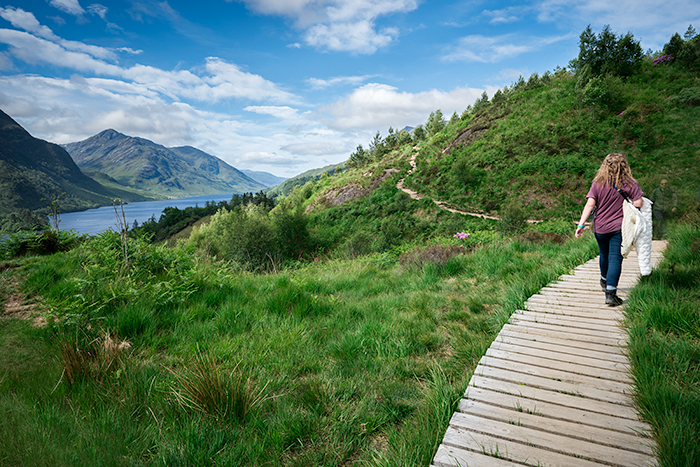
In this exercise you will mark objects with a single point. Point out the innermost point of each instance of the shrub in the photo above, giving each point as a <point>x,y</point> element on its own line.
<point>688,96</point>
<point>436,255</point>
<point>513,219</point>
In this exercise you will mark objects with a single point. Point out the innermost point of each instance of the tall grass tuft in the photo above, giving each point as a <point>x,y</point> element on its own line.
<point>84,357</point>
<point>202,386</point>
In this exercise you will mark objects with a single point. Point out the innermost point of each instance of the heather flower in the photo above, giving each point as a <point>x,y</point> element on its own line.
<point>663,58</point>
<point>461,235</point>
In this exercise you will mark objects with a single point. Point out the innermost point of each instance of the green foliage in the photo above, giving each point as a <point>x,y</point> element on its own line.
<point>435,123</point>
<point>606,53</point>
<point>174,220</point>
<point>46,242</point>
<point>604,92</point>
<point>244,235</point>
<point>513,219</point>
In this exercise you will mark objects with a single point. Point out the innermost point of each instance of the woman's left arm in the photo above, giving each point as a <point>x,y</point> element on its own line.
<point>637,203</point>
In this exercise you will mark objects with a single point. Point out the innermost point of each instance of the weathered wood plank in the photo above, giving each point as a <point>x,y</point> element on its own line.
<point>592,414</point>
<point>450,456</point>
<point>539,419</point>
<point>496,359</point>
<point>565,387</point>
<point>572,336</point>
<point>621,370</point>
<point>537,336</point>
<point>463,428</point>
<point>558,348</point>
<point>625,411</point>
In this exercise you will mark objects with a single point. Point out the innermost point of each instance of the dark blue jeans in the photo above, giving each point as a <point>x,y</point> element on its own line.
<point>610,245</point>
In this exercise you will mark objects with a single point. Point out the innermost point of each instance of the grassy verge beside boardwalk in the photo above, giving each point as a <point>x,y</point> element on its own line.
<point>175,360</point>
<point>663,316</point>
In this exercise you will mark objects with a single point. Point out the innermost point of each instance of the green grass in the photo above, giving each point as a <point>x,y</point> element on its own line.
<point>333,363</point>
<point>664,327</point>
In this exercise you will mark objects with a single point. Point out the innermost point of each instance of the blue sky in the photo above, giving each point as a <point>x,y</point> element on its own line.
<point>284,86</point>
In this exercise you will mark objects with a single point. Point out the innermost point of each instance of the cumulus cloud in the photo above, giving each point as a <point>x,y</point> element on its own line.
<point>281,112</point>
<point>478,48</point>
<point>652,21</point>
<point>374,106</point>
<point>315,149</point>
<point>317,83</point>
<point>506,15</point>
<point>219,80</point>
<point>69,6</point>
<point>341,25</point>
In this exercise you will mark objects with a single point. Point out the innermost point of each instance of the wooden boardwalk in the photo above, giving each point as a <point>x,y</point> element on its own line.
<point>554,388</point>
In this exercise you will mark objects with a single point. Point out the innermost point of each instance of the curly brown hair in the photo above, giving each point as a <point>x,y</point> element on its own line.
<point>614,170</point>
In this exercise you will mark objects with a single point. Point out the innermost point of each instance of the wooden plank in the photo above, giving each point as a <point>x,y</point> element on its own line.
<point>570,321</point>
<point>598,372</point>
<point>621,369</point>
<point>555,347</point>
<point>540,421</point>
<point>615,334</point>
<point>607,313</point>
<point>465,426</point>
<point>578,414</point>
<point>570,341</point>
<point>514,388</point>
<point>529,366</point>
<point>554,332</point>
<point>544,383</point>
<point>492,446</point>
<point>450,456</point>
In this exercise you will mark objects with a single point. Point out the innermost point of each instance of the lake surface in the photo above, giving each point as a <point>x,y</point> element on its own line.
<point>94,221</point>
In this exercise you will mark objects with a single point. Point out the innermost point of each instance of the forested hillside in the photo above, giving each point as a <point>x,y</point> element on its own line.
<point>340,325</point>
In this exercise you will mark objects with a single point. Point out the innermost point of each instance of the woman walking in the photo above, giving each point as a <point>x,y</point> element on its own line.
<point>611,185</point>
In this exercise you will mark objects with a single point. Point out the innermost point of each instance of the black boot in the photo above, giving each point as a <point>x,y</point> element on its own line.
<point>611,298</point>
<point>603,284</point>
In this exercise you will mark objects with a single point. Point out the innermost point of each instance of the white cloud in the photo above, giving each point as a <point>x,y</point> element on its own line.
<point>478,48</point>
<point>317,83</point>
<point>281,112</point>
<point>378,106</point>
<point>506,15</point>
<point>315,149</point>
<point>99,10</point>
<point>649,20</point>
<point>341,25</point>
<point>219,80</point>
<point>69,6</point>
<point>27,21</point>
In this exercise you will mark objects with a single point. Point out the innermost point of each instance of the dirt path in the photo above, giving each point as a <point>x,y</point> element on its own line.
<point>440,204</point>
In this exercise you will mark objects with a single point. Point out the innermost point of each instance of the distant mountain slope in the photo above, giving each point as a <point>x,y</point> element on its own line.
<point>265,178</point>
<point>288,185</point>
<point>147,166</point>
<point>32,169</point>
<point>218,169</point>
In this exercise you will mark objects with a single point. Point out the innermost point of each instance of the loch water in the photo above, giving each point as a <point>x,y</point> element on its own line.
<point>94,221</point>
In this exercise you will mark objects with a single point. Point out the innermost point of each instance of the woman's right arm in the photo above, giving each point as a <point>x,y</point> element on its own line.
<point>587,209</point>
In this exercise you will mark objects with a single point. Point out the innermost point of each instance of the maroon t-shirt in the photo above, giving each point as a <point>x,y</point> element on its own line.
<point>608,213</point>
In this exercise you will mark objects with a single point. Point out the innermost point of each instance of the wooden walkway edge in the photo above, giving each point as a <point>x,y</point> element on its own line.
<point>554,387</point>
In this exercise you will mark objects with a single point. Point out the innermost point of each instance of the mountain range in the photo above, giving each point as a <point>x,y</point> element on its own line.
<point>33,171</point>
<point>93,172</point>
<point>151,168</point>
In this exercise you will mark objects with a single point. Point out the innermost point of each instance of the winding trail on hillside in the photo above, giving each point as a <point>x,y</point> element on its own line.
<point>441,204</point>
